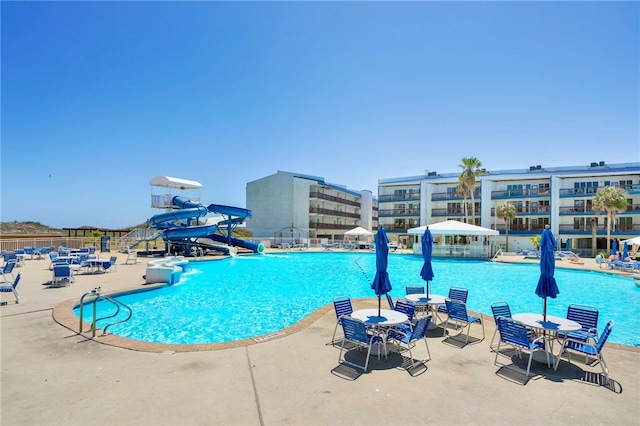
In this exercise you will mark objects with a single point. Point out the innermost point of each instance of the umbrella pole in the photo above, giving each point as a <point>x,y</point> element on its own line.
<point>427,289</point>
<point>544,310</point>
<point>378,305</point>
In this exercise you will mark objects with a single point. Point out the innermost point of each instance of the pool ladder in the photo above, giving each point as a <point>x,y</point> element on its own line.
<point>495,256</point>
<point>95,294</point>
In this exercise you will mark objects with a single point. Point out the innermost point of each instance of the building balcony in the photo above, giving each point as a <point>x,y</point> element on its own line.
<point>440,196</point>
<point>520,228</point>
<point>399,212</point>
<point>586,211</point>
<point>601,229</point>
<point>399,197</point>
<point>323,196</point>
<point>539,210</point>
<point>592,191</point>
<point>452,212</point>
<point>331,212</point>
<point>318,226</point>
<point>519,193</point>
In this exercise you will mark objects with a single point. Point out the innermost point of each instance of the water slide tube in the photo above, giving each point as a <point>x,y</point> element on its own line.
<point>188,210</point>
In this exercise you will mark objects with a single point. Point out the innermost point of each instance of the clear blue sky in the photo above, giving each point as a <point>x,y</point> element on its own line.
<point>100,97</point>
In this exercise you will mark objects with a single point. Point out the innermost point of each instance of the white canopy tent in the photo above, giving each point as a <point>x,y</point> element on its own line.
<point>478,248</point>
<point>358,231</point>
<point>453,227</point>
<point>631,241</point>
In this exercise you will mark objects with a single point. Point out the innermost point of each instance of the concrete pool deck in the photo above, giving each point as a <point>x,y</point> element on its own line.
<point>52,376</point>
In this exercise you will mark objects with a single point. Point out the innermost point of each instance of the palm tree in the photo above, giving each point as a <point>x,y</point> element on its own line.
<point>471,170</point>
<point>594,230</point>
<point>610,199</point>
<point>507,212</point>
<point>462,191</point>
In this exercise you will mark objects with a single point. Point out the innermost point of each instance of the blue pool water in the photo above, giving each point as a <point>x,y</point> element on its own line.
<point>243,297</point>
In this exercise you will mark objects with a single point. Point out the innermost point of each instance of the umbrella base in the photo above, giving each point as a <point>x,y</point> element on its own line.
<point>378,349</point>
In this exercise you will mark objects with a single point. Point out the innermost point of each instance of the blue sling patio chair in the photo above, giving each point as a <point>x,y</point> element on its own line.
<point>417,289</point>
<point>407,308</point>
<point>592,348</point>
<point>342,306</point>
<point>62,274</point>
<point>11,288</point>
<point>455,293</point>
<point>516,334</point>
<point>499,309</point>
<point>457,311</point>
<point>356,333</point>
<point>587,317</point>
<point>411,337</point>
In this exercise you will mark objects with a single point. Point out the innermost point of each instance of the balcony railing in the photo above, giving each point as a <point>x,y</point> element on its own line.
<point>330,212</point>
<point>439,196</point>
<point>593,190</point>
<point>399,212</point>
<point>333,226</point>
<point>568,211</point>
<point>323,196</point>
<point>601,229</point>
<point>519,193</point>
<point>527,210</point>
<point>394,227</point>
<point>405,196</point>
<point>519,227</point>
<point>451,211</point>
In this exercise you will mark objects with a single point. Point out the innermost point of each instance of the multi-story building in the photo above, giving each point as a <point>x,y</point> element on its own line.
<point>561,197</point>
<point>301,202</point>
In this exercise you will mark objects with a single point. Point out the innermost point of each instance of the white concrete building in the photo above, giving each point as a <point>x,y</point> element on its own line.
<point>558,196</point>
<point>307,207</point>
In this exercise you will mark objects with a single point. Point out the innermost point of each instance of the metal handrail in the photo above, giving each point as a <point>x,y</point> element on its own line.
<point>95,293</point>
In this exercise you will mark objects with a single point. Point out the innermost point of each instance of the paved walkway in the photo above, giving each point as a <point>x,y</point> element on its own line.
<point>52,376</point>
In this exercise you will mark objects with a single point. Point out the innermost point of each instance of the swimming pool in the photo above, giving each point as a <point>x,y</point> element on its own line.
<point>243,297</point>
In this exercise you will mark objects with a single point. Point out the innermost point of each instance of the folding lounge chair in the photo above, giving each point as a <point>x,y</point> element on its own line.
<point>7,270</point>
<point>516,334</point>
<point>589,349</point>
<point>113,260</point>
<point>6,288</point>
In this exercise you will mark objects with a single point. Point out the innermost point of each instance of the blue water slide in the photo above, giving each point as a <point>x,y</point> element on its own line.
<point>187,210</point>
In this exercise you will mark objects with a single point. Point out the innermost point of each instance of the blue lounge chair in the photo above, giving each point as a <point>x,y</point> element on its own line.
<point>410,337</point>
<point>390,302</point>
<point>62,274</point>
<point>7,270</point>
<point>355,332</point>
<point>342,306</point>
<point>516,334</point>
<point>592,348</point>
<point>457,311</point>
<point>6,288</point>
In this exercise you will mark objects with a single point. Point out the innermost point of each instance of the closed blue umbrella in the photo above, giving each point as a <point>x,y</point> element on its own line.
<point>614,246</point>
<point>547,286</point>
<point>381,284</point>
<point>625,251</point>
<point>427,249</point>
